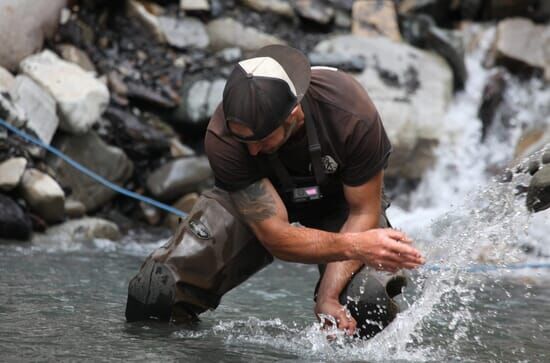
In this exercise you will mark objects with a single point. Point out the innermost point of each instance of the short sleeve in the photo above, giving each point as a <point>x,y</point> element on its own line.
<point>367,151</point>
<point>233,168</point>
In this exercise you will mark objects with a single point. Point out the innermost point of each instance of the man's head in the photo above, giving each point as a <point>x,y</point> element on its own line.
<point>262,95</point>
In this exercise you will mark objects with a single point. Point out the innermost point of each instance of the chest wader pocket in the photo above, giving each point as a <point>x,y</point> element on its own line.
<point>211,252</point>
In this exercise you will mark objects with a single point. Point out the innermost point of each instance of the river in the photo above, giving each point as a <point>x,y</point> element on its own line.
<point>65,301</point>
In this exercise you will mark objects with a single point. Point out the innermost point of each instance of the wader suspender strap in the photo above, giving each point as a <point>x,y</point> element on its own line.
<point>314,150</point>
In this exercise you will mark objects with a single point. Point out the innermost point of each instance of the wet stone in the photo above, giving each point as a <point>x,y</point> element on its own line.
<point>14,223</point>
<point>533,167</point>
<point>538,194</point>
<point>546,157</point>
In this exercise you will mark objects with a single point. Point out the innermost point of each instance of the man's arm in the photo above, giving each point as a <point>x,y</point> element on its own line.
<point>263,210</point>
<point>365,207</point>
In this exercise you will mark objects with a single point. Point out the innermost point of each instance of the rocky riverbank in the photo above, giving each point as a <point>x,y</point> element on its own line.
<point>126,89</point>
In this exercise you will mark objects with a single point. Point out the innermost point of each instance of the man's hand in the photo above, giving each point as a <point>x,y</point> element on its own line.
<point>385,249</point>
<point>342,316</point>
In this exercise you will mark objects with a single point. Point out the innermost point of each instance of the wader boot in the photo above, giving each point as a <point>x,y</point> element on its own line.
<point>211,252</point>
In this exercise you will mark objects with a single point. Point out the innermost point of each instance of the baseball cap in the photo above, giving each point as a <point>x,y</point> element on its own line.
<point>261,91</point>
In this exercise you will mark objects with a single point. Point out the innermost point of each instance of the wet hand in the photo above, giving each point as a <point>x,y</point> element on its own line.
<point>341,315</point>
<point>386,249</point>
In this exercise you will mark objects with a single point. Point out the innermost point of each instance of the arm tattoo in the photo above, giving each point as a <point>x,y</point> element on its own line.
<point>254,202</point>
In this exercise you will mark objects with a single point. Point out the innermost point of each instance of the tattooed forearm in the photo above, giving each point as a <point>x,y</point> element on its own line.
<point>254,202</point>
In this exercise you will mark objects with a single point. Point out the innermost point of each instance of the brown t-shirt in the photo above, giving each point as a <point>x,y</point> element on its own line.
<point>354,144</point>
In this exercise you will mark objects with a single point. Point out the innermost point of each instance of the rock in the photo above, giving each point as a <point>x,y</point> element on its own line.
<point>523,47</point>
<point>546,157</point>
<point>409,80</point>
<point>24,24</point>
<point>199,101</point>
<point>7,81</point>
<point>78,230</point>
<point>230,55</point>
<point>421,31</point>
<point>346,5</point>
<point>314,11</point>
<point>43,195</point>
<point>178,177</point>
<point>11,112</point>
<point>141,93</point>
<point>14,223</point>
<point>179,150</point>
<point>72,54</point>
<point>533,167</point>
<point>74,208</point>
<point>116,84</point>
<point>436,9</point>
<point>538,10</point>
<point>493,93</point>
<point>375,18</point>
<point>278,7</point>
<point>39,107</point>
<point>342,61</point>
<point>81,98</point>
<point>342,19</point>
<point>185,204</point>
<point>11,171</point>
<point>152,215</point>
<point>137,10</point>
<point>89,150</point>
<point>184,33</point>
<point>194,5</point>
<point>226,32</point>
<point>538,194</point>
<point>532,139</point>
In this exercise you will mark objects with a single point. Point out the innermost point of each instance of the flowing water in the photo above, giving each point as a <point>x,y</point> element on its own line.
<point>65,301</point>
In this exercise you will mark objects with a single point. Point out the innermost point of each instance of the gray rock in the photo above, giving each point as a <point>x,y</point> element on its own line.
<point>77,231</point>
<point>199,101</point>
<point>533,167</point>
<point>11,112</point>
<point>523,47</point>
<point>493,93</point>
<point>546,157</point>
<point>194,5</point>
<point>81,98</point>
<point>314,11</point>
<point>14,223</point>
<point>74,208</point>
<point>538,194</point>
<point>226,32</point>
<point>345,62</point>
<point>230,55</point>
<point>137,10</point>
<point>72,54</point>
<point>89,150</point>
<point>402,80</point>
<point>185,204</point>
<point>375,18</point>
<point>421,31</point>
<point>184,33</point>
<point>24,24</point>
<point>7,81</point>
<point>279,7</point>
<point>11,171</point>
<point>179,150</point>
<point>342,19</point>
<point>43,195</point>
<point>39,107</point>
<point>178,177</point>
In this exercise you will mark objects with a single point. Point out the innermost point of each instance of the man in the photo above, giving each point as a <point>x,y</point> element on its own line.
<point>294,144</point>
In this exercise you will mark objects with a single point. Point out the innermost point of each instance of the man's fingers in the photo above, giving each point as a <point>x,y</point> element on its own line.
<point>398,235</point>
<point>402,249</point>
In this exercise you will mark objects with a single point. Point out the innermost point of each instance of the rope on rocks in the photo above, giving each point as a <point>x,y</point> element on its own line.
<point>90,173</point>
<point>165,207</point>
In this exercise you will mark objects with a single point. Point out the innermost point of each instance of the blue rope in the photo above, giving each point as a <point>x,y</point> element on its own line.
<point>91,174</point>
<point>487,268</point>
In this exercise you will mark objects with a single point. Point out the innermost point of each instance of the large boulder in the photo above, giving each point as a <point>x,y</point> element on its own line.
<point>14,223</point>
<point>178,177</point>
<point>81,98</point>
<point>43,195</point>
<point>226,32</point>
<point>538,193</point>
<point>523,47</point>
<point>24,24</point>
<point>411,89</point>
<point>38,105</point>
<point>89,150</point>
<point>11,172</point>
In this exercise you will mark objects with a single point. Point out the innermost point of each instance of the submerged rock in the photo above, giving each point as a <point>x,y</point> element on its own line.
<point>79,230</point>
<point>493,93</point>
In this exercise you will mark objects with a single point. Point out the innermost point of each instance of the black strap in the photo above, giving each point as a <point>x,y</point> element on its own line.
<point>282,174</point>
<point>313,145</point>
